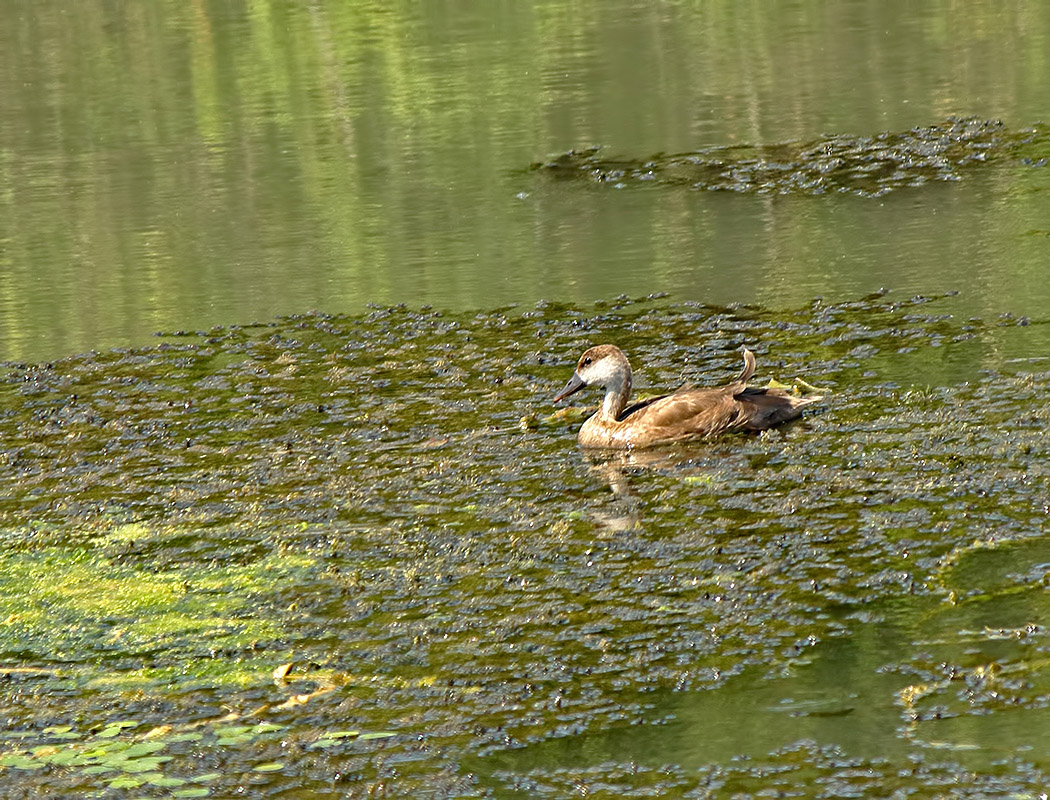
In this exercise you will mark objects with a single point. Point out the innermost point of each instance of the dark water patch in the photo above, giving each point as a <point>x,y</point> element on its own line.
<point>866,166</point>
<point>357,497</point>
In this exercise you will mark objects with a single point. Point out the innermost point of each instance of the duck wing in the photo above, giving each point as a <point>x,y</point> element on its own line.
<point>699,413</point>
<point>690,414</point>
<point>746,373</point>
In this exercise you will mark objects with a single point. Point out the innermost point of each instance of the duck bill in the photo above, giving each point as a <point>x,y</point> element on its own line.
<point>574,385</point>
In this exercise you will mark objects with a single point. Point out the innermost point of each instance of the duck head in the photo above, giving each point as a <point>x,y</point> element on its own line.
<point>604,365</point>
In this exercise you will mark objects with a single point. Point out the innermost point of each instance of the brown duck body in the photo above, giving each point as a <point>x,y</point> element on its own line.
<point>684,415</point>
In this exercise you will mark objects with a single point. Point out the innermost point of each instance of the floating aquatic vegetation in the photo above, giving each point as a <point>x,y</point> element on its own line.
<point>803,769</point>
<point>868,166</point>
<point>339,526</point>
<point>104,611</point>
<point>118,756</point>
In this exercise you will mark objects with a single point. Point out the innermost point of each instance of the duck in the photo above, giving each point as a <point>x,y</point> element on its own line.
<point>687,414</point>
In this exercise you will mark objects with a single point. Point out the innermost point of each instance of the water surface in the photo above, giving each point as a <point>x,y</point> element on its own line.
<point>173,167</point>
<point>350,551</point>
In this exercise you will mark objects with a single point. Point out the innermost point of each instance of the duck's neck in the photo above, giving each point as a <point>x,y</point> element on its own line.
<point>617,393</point>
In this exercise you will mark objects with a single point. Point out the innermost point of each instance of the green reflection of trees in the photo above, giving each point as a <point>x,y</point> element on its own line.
<point>174,164</point>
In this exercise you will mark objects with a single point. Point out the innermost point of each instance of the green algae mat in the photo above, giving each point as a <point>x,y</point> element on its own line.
<point>363,556</point>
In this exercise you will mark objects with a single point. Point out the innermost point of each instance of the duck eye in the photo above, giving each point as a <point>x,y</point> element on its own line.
<point>586,361</point>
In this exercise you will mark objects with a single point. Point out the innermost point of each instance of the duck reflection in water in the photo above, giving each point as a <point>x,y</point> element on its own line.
<point>693,464</point>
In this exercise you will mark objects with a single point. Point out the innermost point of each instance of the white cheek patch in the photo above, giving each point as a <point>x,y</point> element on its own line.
<point>600,373</point>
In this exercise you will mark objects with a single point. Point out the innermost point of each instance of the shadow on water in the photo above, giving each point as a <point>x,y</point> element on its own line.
<point>362,554</point>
